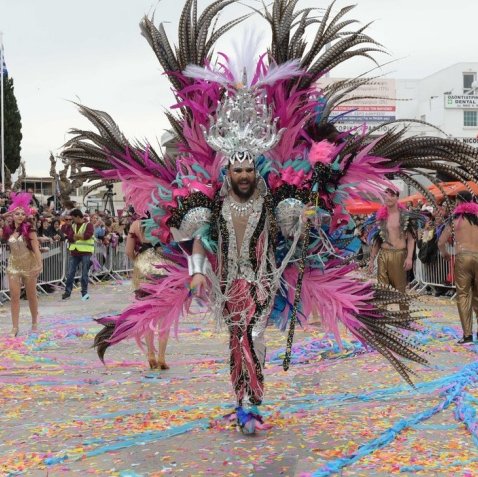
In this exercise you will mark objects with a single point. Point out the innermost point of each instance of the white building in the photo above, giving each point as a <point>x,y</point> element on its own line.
<point>447,99</point>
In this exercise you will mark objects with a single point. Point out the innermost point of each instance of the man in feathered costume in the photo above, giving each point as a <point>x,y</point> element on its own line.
<point>463,227</point>
<point>231,210</point>
<point>393,241</point>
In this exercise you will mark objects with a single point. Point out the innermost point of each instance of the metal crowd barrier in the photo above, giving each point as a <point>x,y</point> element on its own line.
<point>108,262</point>
<point>120,263</point>
<point>439,273</point>
<point>55,263</point>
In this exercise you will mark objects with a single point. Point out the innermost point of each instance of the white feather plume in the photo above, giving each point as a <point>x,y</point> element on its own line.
<point>200,72</point>
<point>280,72</point>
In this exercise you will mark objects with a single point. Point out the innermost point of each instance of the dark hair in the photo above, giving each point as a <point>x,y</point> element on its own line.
<point>396,193</point>
<point>465,196</point>
<point>320,132</point>
<point>76,213</point>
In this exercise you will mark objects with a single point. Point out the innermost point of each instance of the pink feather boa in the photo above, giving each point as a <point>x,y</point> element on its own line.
<point>466,208</point>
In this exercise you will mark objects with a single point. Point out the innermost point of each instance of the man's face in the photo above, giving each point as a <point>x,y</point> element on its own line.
<point>390,198</point>
<point>243,179</point>
<point>78,220</point>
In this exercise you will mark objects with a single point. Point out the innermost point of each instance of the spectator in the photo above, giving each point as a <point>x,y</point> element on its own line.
<point>99,229</point>
<point>34,202</point>
<point>54,231</point>
<point>3,205</point>
<point>82,245</point>
<point>68,206</point>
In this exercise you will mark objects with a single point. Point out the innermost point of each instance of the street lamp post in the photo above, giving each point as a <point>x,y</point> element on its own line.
<point>2,119</point>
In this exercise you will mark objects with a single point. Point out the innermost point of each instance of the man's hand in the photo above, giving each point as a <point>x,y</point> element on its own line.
<point>408,264</point>
<point>198,285</point>
<point>311,212</point>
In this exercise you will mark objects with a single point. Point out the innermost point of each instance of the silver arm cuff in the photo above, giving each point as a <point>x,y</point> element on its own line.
<point>196,264</point>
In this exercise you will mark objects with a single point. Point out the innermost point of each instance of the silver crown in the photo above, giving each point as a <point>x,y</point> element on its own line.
<point>243,127</point>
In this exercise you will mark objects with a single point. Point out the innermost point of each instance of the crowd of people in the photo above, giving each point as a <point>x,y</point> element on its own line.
<point>49,223</point>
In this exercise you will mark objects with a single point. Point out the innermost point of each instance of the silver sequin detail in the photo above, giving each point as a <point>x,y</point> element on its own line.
<point>193,221</point>
<point>288,212</point>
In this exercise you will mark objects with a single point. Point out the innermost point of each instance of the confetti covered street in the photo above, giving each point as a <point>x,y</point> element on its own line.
<point>334,412</point>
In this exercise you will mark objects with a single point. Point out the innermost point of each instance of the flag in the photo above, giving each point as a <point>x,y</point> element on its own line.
<point>4,70</point>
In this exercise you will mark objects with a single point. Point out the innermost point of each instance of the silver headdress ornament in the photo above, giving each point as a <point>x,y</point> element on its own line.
<point>243,128</point>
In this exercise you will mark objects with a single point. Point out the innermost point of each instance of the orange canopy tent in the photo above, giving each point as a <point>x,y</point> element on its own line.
<point>361,207</point>
<point>364,207</point>
<point>451,190</point>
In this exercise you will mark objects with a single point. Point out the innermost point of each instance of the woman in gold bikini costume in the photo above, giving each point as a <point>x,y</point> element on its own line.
<point>25,260</point>
<point>147,262</point>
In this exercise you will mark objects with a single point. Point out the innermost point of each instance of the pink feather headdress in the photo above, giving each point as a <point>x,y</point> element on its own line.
<point>466,208</point>
<point>21,200</point>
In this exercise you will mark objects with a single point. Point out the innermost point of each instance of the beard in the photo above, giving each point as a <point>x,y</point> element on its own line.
<point>243,193</point>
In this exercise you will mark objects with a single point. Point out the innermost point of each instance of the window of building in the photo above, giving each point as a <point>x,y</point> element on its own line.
<point>468,79</point>
<point>470,118</point>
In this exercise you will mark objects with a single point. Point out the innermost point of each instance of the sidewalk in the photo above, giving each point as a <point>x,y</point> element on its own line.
<point>64,413</point>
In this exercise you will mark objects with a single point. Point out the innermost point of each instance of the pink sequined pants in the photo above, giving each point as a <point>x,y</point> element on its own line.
<point>246,366</point>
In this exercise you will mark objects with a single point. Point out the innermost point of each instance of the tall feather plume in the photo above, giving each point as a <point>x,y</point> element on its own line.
<point>427,155</point>
<point>289,38</point>
<point>98,151</point>
<point>194,47</point>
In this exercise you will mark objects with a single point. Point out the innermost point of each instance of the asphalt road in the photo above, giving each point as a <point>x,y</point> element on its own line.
<point>348,412</point>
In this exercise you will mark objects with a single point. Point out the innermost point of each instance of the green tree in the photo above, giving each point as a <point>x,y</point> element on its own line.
<point>12,125</point>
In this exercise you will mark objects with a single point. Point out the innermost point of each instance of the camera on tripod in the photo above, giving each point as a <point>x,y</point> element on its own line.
<point>109,191</point>
<point>108,199</point>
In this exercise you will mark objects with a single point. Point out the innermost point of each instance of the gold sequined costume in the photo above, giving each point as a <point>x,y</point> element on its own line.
<point>22,261</point>
<point>147,263</point>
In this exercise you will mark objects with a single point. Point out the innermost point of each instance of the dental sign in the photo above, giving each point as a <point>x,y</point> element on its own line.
<point>461,101</point>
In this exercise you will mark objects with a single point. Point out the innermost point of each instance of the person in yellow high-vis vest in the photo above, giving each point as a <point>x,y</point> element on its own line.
<point>80,235</point>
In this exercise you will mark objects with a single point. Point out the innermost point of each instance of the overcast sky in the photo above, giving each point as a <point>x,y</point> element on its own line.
<point>92,51</point>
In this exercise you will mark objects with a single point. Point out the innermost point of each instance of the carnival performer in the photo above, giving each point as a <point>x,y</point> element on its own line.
<point>393,242</point>
<point>147,263</point>
<point>25,260</point>
<point>230,207</point>
<point>246,228</point>
<point>463,228</point>
<point>81,247</point>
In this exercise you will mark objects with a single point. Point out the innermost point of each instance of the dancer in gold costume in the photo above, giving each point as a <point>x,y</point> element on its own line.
<point>147,262</point>
<point>25,260</point>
